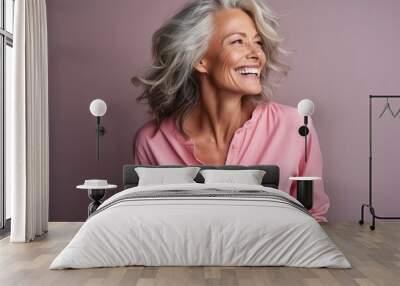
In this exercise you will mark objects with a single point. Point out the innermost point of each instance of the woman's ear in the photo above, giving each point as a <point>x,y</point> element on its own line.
<point>201,67</point>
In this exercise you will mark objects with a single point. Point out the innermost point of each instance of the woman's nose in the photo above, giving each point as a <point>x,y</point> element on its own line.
<point>253,51</point>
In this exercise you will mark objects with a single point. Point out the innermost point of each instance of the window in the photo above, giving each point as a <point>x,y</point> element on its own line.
<point>6,56</point>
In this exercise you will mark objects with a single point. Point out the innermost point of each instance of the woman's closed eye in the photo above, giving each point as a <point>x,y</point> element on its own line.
<point>240,41</point>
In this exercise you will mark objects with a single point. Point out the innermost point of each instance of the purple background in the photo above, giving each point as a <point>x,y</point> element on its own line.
<point>342,51</point>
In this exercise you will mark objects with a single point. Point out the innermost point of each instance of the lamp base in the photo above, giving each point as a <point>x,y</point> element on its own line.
<point>305,193</point>
<point>95,195</point>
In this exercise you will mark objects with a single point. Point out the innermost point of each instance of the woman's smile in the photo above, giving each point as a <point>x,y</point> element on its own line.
<point>249,72</point>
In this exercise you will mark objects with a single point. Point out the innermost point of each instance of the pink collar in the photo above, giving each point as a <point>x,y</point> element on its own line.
<point>168,126</point>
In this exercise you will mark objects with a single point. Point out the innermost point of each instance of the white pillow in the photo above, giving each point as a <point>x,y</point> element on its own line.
<point>162,176</point>
<point>249,177</point>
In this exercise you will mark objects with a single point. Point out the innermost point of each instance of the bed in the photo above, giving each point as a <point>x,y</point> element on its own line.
<point>201,224</point>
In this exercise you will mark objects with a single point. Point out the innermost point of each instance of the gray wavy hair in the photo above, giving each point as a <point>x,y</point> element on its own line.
<point>170,87</point>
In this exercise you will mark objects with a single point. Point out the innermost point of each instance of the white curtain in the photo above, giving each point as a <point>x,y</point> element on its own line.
<point>27,138</point>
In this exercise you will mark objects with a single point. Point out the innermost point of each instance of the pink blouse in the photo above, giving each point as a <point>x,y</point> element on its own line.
<point>269,137</point>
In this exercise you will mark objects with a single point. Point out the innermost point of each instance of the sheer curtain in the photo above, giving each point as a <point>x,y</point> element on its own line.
<point>27,143</point>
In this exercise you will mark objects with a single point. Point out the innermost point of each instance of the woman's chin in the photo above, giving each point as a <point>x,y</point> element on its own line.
<point>247,90</point>
<point>252,90</point>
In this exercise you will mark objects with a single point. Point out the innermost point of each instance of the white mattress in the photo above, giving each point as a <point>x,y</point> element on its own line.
<point>183,231</point>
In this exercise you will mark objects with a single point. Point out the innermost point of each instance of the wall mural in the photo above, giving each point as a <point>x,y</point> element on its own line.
<point>209,90</point>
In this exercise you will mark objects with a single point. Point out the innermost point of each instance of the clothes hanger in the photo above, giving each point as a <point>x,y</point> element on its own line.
<point>387,106</point>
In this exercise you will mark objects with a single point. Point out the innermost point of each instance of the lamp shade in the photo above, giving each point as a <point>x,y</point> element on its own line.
<point>305,107</point>
<point>98,107</point>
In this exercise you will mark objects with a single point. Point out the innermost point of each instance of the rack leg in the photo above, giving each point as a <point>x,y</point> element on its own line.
<point>361,221</point>
<point>374,216</point>
<point>372,210</point>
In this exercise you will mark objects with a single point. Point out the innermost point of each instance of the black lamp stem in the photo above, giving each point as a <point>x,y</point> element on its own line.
<point>98,137</point>
<point>305,137</point>
<point>305,147</point>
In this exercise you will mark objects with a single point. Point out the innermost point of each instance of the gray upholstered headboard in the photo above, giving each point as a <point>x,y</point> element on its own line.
<point>271,178</point>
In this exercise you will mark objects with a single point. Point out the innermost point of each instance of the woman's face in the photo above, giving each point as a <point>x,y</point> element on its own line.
<point>234,58</point>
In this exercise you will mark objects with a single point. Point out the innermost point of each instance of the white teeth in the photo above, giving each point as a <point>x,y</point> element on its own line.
<point>249,70</point>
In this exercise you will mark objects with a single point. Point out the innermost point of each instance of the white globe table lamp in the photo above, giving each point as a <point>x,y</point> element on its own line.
<point>98,108</point>
<point>305,109</point>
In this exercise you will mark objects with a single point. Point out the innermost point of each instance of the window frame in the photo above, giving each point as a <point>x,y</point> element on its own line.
<point>6,39</point>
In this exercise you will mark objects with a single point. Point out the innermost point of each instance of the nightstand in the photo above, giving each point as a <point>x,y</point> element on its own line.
<point>305,190</point>
<point>96,191</point>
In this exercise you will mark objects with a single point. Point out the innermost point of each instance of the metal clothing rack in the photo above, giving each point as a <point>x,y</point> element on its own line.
<point>369,205</point>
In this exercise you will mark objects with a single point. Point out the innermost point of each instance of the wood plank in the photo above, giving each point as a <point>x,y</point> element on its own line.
<point>375,257</point>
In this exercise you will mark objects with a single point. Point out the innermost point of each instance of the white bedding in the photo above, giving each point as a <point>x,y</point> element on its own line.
<point>181,231</point>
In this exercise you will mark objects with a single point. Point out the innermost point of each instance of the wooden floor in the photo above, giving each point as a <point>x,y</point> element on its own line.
<point>374,255</point>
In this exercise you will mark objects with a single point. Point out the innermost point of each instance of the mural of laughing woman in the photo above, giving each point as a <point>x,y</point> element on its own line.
<point>210,92</point>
